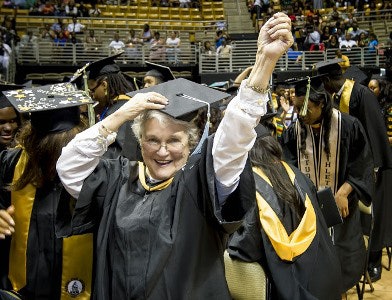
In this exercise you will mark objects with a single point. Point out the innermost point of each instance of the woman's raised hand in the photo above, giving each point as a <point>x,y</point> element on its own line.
<point>275,37</point>
<point>6,222</point>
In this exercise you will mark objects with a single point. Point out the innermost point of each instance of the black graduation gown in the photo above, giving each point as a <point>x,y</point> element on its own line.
<point>364,106</point>
<point>315,274</point>
<point>126,143</point>
<point>44,250</point>
<point>158,245</point>
<point>355,167</point>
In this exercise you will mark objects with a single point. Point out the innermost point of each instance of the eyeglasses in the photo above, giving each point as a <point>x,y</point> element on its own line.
<point>92,91</point>
<point>172,145</point>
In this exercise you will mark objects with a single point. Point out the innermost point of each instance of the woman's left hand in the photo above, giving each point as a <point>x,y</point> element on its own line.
<point>275,37</point>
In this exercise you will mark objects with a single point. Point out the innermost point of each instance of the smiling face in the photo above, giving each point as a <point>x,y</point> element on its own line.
<point>8,125</point>
<point>165,148</point>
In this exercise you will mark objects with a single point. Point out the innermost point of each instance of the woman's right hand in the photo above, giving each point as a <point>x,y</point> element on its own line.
<point>7,222</point>
<point>134,107</point>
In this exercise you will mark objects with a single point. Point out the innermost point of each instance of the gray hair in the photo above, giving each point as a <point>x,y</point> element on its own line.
<point>139,123</point>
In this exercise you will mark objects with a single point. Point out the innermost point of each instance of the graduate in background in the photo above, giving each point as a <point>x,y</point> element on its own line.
<point>357,100</point>
<point>156,74</point>
<point>9,118</point>
<point>331,148</point>
<point>285,230</point>
<point>164,222</point>
<point>33,262</point>
<point>109,87</point>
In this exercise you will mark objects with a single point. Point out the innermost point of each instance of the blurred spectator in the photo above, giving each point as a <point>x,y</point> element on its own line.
<point>116,45</point>
<point>355,31</point>
<point>362,40</point>
<point>146,34</point>
<point>34,10</point>
<point>173,44</point>
<point>75,26</point>
<point>133,46</point>
<point>92,41</point>
<point>5,53</point>
<point>58,26</point>
<point>157,48</point>
<point>46,34</point>
<point>220,36</point>
<point>47,9</point>
<point>317,4</point>
<point>94,11</point>
<point>71,9</point>
<point>298,8</point>
<point>350,20</point>
<point>224,50</point>
<point>28,40</point>
<point>345,64</point>
<point>373,43</point>
<point>348,43</point>
<point>208,48</point>
<point>332,43</point>
<point>326,34</point>
<point>60,39</point>
<point>8,30</point>
<point>312,38</point>
<point>83,11</point>
<point>335,15</point>
<point>185,3</point>
<point>7,4</point>
<point>60,9</point>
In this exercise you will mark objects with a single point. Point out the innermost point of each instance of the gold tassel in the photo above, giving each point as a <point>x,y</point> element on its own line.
<point>304,109</point>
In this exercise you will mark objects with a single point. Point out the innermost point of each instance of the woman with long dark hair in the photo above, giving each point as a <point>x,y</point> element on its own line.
<point>332,149</point>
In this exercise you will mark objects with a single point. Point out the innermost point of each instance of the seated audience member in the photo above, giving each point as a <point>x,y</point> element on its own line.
<point>146,34</point>
<point>71,9</point>
<point>173,43</point>
<point>116,46</point>
<point>5,53</point>
<point>373,43</point>
<point>171,209</point>
<point>224,50</point>
<point>75,26</point>
<point>362,40</point>
<point>354,31</point>
<point>83,11</point>
<point>92,43</point>
<point>208,48</point>
<point>285,230</point>
<point>333,42</point>
<point>34,263</point>
<point>157,48</point>
<point>133,46</point>
<point>94,11</point>
<point>47,9</point>
<point>348,43</point>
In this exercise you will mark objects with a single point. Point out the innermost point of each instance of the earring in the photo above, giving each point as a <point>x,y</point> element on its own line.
<point>106,92</point>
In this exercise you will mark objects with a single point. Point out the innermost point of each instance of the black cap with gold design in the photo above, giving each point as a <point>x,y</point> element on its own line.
<point>52,108</point>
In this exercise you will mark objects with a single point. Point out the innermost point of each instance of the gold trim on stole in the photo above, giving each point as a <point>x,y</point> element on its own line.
<point>287,247</point>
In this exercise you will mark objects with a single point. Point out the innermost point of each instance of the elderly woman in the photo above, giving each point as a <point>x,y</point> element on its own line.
<point>162,223</point>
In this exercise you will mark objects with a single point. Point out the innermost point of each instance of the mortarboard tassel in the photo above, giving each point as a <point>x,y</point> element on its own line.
<point>304,108</point>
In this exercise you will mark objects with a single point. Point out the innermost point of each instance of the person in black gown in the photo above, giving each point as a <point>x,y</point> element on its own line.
<point>162,224</point>
<point>33,262</point>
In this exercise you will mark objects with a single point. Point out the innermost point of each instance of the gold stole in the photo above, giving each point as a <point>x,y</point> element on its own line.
<point>324,169</point>
<point>344,105</point>
<point>287,247</point>
<point>77,250</point>
<point>142,178</point>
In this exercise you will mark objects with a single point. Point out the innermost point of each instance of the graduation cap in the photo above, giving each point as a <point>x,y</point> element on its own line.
<point>162,72</point>
<point>52,108</point>
<point>329,67</point>
<point>262,131</point>
<point>7,87</point>
<point>356,74</point>
<point>185,99</point>
<point>311,88</point>
<point>101,67</point>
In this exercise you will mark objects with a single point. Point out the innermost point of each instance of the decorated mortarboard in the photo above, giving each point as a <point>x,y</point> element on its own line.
<point>7,87</point>
<point>185,99</point>
<point>329,67</point>
<point>53,108</point>
<point>356,74</point>
<point>310,87</point>
<point>98,68</point>
<point>162,72</point>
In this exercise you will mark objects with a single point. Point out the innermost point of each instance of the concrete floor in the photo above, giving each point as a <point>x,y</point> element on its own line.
<point>382,288</point>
